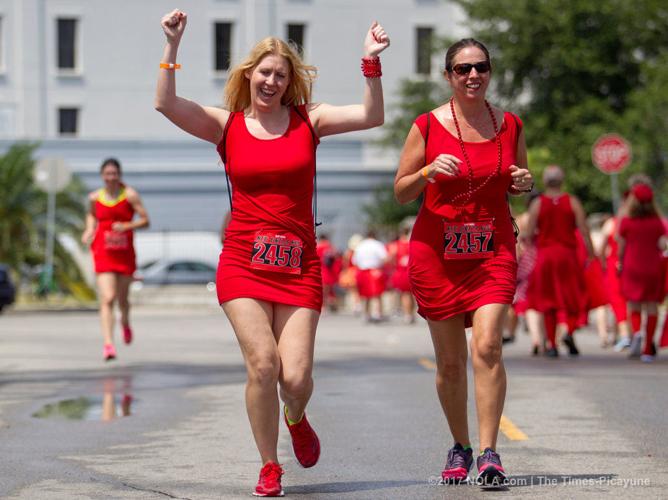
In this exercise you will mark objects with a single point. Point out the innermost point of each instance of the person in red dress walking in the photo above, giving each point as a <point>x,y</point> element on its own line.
<point>330,265</point>
<point>269,281</point>
<point>642,241</point>
<point>465,156</point>
<point>557,287</point>
<point>110,223</point>
<point>398,253</point>
<point>610,257</point>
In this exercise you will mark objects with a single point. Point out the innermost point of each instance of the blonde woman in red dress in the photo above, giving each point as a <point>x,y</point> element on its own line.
<point>110,223</point>
<point>269,280</point>
<point>465,156</point>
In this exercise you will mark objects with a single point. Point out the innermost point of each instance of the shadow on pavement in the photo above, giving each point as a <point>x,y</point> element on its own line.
<point>347,487</point>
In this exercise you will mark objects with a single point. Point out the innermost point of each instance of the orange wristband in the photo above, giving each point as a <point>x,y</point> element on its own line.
<point>425,172</point>
<point>170,66</point>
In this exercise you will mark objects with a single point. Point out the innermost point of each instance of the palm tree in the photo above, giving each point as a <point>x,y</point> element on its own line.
<point>23,220</point>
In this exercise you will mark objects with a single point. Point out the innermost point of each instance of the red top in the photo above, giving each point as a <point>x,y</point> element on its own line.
<point>642,267</point>
<point>556,222</point>
<point>402,253</point>
<point>113,252</point>
<point>444,288</point>
<point>272,190</point>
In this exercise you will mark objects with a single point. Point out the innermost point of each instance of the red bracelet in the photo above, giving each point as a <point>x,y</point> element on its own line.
<point>371,67</point>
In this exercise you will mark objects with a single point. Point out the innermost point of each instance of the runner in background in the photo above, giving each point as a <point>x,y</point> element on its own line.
<point>556,287</point>
<point>369,258</point>
<point>398,252</point>
<point>330,264</point>
<point>642,241</point>
<point>110,225</point>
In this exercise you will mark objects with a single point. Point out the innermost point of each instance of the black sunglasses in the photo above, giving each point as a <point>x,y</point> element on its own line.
<point>465,68</point>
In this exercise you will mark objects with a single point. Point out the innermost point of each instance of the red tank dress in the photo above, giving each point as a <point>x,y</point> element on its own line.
<point>642,268</point>
<point>596,294</point>
<point>617,300</point>
<point>270,247</point>
<point>328,262</point>
<point>400,279</point>
<point>557,281</point>
<point>444,288</point>
<point>113,251</point>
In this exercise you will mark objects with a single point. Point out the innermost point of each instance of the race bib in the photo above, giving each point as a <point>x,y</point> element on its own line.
<point>115,240</point>
<point>468,240</point>
<point>280,253</point>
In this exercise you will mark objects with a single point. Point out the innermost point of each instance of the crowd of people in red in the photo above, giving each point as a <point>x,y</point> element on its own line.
<point>572,269</point>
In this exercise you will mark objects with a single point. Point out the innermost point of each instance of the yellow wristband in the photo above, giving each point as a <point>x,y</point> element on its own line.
<point>425,172</point>
<point>170,66</point>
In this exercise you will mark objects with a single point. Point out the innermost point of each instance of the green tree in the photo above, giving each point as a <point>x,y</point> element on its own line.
<point>23,220</point>
<point>575,69</point>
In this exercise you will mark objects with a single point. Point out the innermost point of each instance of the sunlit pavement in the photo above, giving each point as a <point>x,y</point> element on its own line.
<point>167,418</point>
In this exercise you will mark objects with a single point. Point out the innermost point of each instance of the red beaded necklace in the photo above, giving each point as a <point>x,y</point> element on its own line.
<point>470,191</point>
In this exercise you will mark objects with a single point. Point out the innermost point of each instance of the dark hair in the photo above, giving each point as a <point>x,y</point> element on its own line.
<point>111,161</point>
<point>456,47</point>
<point>638,209</point>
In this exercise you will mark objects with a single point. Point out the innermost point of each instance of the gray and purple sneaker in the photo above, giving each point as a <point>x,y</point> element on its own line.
<point>457,466</point>
<point>490,470</point>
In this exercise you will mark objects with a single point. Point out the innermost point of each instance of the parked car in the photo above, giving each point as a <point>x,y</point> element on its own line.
<point>7,288</point>
<point>176,272</point>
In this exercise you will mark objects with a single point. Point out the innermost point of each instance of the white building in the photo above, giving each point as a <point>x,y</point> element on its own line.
<point>79,76</point>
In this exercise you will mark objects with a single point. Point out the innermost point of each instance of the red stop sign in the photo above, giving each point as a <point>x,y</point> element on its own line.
<point>611,153</point>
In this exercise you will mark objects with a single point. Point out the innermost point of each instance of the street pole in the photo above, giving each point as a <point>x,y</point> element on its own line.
<point>50,237</point>
<point>614,185</point>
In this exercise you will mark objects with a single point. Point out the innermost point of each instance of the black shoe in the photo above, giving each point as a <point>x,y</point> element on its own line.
<point>552,352</point>
<point>569,341</point>
<point>507,340</point>
<point>534,351</point>
<point>653,349</point>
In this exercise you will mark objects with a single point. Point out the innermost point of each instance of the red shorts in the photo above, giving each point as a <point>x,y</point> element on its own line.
<point>370,283</point>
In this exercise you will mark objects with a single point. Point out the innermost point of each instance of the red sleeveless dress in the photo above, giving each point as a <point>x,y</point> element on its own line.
<point>113,252</point>
<point>400,279</point>
<point>444,288</point>
<point>617,300</point>
<point>642,278</point>
<point>270,247</point>
<point>557,282</point>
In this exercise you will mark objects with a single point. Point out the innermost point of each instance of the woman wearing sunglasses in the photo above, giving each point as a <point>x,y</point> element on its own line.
<point>465,156</point>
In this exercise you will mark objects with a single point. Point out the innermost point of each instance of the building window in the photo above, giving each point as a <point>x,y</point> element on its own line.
<point>68,121</point>
<point>423,45</point>
<point>67,36</point>
<point>223,46</point>
<point>295,34</point>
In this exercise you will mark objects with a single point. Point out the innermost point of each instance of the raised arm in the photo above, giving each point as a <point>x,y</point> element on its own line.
<point>330,120</point>
<point>205,122</point>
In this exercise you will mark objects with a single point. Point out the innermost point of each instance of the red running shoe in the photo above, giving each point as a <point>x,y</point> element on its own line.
<point>269,484</point>
<point>305,442</point>
<point>127,334</point>
<point>109,352</point>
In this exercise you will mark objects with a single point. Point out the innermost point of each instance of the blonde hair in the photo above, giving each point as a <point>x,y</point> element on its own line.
<point>237,89</point>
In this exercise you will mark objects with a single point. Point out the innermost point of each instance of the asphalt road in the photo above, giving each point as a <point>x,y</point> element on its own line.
<point>573,428</point>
